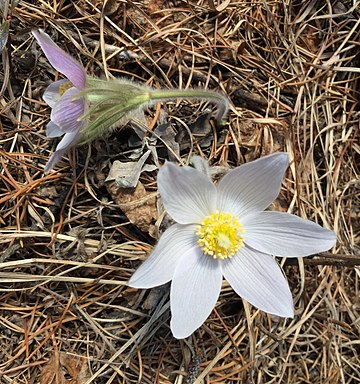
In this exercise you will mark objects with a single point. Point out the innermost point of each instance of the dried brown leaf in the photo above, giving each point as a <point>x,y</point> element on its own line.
<point>53,371</point>
<point>77,368</point>
<point>138,205</point>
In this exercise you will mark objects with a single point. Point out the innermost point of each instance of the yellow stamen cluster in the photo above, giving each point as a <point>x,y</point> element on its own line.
<point>220,235</point>
<point>64,87</point>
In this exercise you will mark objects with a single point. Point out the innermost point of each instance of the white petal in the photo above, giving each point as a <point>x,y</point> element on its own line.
<point>283,234</point>
<point>65,144</point>
<point>52,92</point>
<point>53,130</point>
<point>187,194</point>
<point>159,267</point>
<point>252,186</point>
<point>194,291</point>
<point>258,279</point>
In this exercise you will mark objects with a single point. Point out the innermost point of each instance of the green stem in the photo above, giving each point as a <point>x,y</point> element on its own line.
<point>170,94</point>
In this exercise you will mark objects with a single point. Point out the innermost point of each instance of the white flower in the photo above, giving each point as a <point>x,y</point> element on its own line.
<point>223,230</point>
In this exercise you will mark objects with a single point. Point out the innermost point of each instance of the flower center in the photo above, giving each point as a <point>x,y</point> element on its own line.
<point>64,87</point>
<point>220,235</point>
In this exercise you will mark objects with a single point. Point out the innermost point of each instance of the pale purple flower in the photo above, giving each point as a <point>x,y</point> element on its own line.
<point>84,108</point>
<point>223,230</point>
<point>67,107</point>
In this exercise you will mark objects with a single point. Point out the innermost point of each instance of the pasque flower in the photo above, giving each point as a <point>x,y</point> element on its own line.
<point>223,230</point>
<point>62,96</point>
<point>84,108</point>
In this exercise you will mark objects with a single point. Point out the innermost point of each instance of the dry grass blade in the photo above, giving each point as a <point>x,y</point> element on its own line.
<point>68,246</point>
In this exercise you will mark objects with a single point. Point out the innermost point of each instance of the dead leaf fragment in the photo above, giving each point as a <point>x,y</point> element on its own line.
<point>138,205</point>
<point>4,34</point>
<point>51,372</point>
<point>126,175</point>
<point>168,134</point>
<point>59,364</point>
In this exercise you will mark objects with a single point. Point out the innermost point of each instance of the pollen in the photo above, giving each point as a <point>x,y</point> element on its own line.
<point>220,235</point>
<point>64,87</point>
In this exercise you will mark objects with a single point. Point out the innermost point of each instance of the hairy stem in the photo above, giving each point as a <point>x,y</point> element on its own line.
<point>169,94</point>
